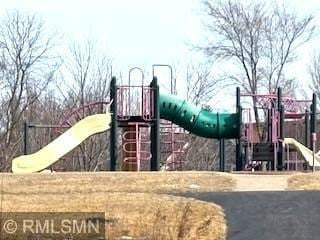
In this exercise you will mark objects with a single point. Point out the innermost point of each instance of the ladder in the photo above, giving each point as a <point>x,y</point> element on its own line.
<point>173,145</point>
<point>135,147</point>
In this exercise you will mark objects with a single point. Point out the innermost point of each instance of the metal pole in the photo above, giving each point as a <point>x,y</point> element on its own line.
<point>306,128</point>
<point>238,140</point>
<point>270,126</point>
<point>313,115</point>
<point>275,159</point>
<point>281,128</point>
<point>114,125</point>
<point>288,156</point>
<point>222,155</point>
<point>25,138</point>
<point>245,158</point>
<point>155,129</point>
<point>142,75</point>
<point>314,140</point>
<point>173,89</point>
<point>138,143</point>
<point>30,125</point>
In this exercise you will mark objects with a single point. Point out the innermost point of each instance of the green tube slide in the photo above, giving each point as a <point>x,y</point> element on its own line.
<point>198,121</point>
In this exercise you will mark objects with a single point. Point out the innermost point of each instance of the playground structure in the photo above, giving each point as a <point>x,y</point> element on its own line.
<point>280,148</point>
<point>145,123</point>
<point>139,151</point>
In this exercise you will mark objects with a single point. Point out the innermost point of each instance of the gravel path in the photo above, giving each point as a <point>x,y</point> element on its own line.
<point>262,181</point>
<point>251,182</point>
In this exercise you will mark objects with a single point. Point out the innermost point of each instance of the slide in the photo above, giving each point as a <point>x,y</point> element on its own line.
<point>196,120</point>
<point>304,151</point>
<point>62,145</point>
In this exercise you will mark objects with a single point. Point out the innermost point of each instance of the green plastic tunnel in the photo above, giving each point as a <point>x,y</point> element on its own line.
<point>198,121</point>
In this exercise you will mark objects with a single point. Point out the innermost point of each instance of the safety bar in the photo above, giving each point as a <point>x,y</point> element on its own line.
<point>287,147</point>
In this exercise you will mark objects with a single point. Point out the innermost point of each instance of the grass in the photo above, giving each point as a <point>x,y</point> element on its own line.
<point>145,182</point>
<point>305,181</point>
<point>135,204</point>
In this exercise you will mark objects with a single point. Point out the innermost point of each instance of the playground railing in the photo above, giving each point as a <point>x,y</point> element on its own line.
<point>143,95</point>
<point>287,149</point>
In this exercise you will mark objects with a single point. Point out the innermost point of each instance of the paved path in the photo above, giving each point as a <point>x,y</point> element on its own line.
<point>250,182</point>
<point>269,215</point>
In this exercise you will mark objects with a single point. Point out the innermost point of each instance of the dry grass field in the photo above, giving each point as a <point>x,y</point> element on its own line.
<point>145,182</point>
<point>305,181</point>
<point>136,205</point>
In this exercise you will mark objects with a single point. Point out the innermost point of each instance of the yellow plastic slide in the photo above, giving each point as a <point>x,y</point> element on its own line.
<point>305,152</point>
<point>62,145</point>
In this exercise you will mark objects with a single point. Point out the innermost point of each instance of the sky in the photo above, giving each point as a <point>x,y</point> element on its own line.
<point>139,32</point>
<point>142,32</point>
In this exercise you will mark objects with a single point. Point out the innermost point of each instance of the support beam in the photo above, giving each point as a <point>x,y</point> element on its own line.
<point>25,138</point>
<point>307,128</point>
<point>222,155</point>
<point>155,128</point>
<point>269,125</point>
<point>281,130</point>
<point>114,125</point>
<point>239,163</point>
<point>313,119</point>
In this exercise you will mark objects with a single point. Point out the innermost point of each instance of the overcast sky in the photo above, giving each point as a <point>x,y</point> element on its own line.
<point>133,32</point>
<point>140,32</point>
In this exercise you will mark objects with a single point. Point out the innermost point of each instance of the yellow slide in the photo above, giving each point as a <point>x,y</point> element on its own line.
<point>305,152</point>
<point>62,145</point>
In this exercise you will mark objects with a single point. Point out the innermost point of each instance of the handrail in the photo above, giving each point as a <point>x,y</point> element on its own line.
<point>65,122</point>
<point>287,147</point>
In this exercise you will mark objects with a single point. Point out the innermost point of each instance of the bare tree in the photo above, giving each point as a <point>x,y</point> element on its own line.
<point>27,68</point>
<point>86,72</point>
<point>201,84</point>
<point>46,111</point>
<point>258,40</point>
<point>86,79</point>
<point>314,71</point>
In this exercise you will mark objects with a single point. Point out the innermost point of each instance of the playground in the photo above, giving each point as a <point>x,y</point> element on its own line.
<point>148,128</point>
<point>147,181</point>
